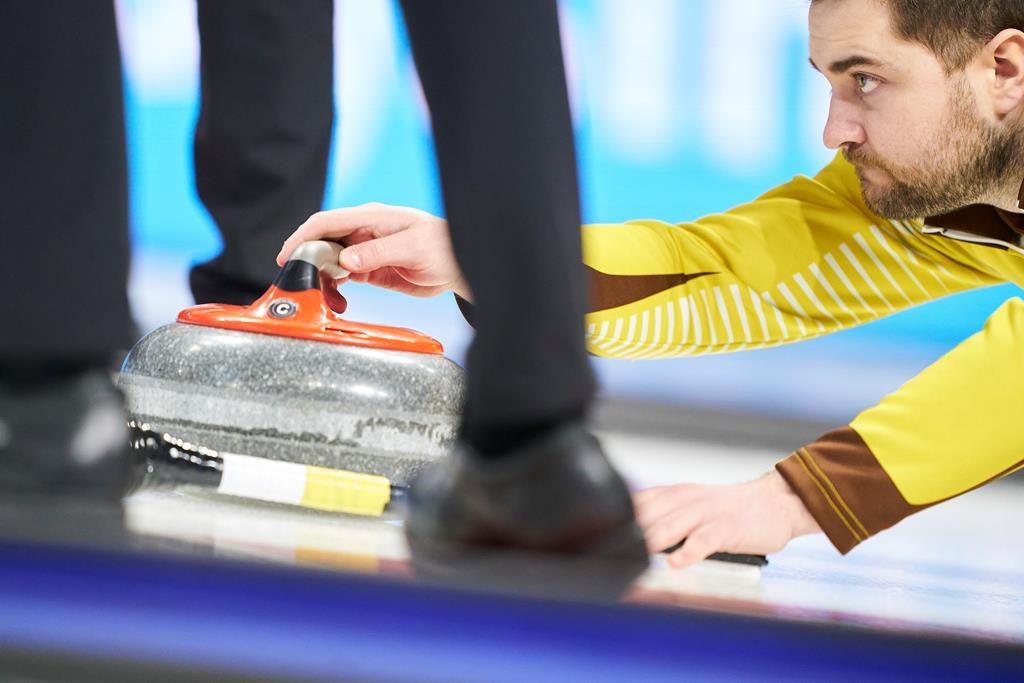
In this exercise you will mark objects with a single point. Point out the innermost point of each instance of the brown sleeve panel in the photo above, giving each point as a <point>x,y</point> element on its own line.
<point>845,488</point>
<point>611,291</point>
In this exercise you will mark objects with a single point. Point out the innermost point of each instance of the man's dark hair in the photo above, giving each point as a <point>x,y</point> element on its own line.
<point>953,29</point>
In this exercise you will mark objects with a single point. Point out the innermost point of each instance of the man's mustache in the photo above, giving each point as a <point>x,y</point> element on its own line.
<point>860,157</point>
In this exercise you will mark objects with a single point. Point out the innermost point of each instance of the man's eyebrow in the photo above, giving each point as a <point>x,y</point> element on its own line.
<point>844,65</point>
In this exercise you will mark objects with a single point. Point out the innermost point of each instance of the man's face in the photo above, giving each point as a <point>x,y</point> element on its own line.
<point>915,135</point>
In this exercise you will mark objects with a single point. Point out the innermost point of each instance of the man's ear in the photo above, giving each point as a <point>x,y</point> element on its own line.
<point>1004,55</point>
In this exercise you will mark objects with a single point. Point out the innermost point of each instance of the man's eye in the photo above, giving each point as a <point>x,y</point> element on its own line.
<point>865,83</point>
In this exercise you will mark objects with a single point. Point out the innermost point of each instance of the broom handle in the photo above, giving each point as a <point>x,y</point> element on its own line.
<point>172,462</point>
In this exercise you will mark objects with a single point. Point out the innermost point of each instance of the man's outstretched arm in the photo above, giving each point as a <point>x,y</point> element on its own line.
<point>953,428</point>
<point>805,259</point>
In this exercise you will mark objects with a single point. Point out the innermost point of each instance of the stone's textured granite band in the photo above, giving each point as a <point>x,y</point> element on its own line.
<point>379,412</point>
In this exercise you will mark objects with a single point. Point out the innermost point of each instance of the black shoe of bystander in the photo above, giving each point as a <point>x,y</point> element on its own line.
<point>553,518</point>
<point>64,458</point>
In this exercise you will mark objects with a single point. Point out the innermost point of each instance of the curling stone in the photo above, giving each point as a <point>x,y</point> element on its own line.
<point>287,378</point>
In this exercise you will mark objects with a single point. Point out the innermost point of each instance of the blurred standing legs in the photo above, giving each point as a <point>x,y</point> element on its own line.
<point>526,472</point>
<point>64,223</point>
<point>263,134</point>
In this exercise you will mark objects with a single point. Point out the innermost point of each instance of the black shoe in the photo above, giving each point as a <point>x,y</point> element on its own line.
<point>553,518</point>
<point>64,458</point>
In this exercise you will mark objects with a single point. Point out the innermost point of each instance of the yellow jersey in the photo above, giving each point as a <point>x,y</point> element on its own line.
<point>809,258</point>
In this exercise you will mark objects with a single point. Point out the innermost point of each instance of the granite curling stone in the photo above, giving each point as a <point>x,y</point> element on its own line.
<point>287,378</point>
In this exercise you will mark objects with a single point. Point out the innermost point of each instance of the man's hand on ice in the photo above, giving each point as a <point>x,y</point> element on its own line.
<point>758,517</point>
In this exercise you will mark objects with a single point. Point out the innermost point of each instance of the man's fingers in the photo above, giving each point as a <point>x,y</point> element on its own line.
<point>358,235</point>
<point>698,545</point>
<point>653,504</point>
<point>325,224</point>
<point>642,497</point>
<point>339,223</point>
<point>671,529</point>
<point>400,250</point>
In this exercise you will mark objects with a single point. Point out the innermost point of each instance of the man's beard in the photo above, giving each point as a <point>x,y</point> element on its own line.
<point>971,162</point>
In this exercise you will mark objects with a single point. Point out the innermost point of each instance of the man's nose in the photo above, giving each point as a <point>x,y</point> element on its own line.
<point>842,127</point>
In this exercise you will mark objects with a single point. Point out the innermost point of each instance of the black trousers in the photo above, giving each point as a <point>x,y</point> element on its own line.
<point>263,134</point>
<point>63,183</point>
<point>494,79</point>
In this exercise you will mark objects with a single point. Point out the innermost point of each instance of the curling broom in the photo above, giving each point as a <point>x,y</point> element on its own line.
<point>173,462</point>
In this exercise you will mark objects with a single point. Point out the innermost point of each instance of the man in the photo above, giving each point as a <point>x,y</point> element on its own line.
<point>927,111</point>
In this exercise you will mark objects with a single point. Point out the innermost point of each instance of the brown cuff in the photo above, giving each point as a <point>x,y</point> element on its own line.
<point>844,488</point>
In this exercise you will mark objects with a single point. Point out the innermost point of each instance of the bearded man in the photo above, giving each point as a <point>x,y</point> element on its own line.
<point>922,201</point>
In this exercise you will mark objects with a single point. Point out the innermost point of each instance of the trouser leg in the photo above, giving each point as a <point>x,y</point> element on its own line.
<point>63,183</point>
<point>493,77</point>
<point>263,134</point>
